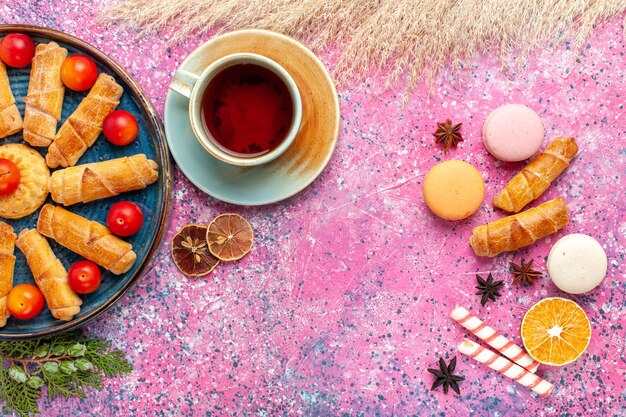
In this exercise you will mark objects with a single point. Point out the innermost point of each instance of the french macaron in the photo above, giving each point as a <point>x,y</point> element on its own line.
<point>513,132</point>
<point>453,190</point>
<point>577,263</point>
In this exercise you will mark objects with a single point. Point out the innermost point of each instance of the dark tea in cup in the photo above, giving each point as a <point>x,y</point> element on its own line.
<point>247,109</point>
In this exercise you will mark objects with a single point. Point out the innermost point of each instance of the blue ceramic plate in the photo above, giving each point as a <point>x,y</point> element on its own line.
<point>152,200</point>
<point>295,169</point>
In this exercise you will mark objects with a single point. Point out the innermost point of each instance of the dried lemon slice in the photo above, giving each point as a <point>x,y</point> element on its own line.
<point>191,253</point>
<point>230,237</point>
<point>556,331</point>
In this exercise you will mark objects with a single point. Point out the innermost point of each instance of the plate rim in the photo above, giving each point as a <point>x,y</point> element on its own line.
<point>158,128</point>
<point>336,130</point>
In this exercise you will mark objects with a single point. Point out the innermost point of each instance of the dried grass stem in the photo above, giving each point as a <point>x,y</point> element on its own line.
<point>411,38</point>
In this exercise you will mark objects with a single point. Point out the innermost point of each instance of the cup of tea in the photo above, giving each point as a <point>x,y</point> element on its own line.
<point>245,109</point>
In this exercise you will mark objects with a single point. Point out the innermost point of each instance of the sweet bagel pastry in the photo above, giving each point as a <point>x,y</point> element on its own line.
<point>97,180</point>
<point>521,229</point>
<point>89,239</point>
<point>532,181</point>
<point>7,263</point>
<point>44,100</point>
<point>33,188</point>
<point>81,129</point>
<point>10,118</point>
<point>50,275</point>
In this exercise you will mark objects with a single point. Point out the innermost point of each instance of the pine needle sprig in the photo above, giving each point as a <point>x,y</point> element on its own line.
<point>17,397</point>
<point>17,350</point>
<point>69,365</point>
<point>113,364</point>
<point>74,385</point>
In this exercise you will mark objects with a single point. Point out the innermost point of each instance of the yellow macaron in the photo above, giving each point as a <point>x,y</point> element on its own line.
<point>453,190</point>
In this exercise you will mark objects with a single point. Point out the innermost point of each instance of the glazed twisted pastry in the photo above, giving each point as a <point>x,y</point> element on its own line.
<point>81,129</point>
<point>7,263</point>
<point>521,229</point>
<point>46,91</point>
<point>49,274</point>
<point>89,182</point>
<point>535,178</point>
<point>87,238</point>
<point>10,118</point>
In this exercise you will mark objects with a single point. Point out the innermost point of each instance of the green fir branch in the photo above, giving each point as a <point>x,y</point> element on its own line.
<point>18,349</point>
<point>112,365</point>
<point>68,365</point>
<point>17,397</point>
<point>75,385</point>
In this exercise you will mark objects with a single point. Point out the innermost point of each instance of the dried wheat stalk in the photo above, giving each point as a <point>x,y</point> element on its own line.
<point>410,38</point>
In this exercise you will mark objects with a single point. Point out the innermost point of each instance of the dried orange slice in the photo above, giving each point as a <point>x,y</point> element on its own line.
<point>556,331</point>
<point>191,252</point>
<point>230,237</point>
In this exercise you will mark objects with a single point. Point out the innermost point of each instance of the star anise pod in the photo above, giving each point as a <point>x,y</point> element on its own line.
<point>445,376</point>
<point>488,289</point>
<point>449,134</point>
<point>524,273</point>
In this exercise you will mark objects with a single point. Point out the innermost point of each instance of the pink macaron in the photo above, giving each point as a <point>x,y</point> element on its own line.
<point>513,132</point>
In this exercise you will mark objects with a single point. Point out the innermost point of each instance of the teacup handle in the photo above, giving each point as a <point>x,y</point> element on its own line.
<point>183,82</point>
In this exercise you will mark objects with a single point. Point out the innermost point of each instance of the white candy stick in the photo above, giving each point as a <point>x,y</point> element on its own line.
<point>505,367</point>
<point>494,339</point>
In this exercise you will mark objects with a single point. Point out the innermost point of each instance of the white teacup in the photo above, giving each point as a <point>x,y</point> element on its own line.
<point>193,86</point>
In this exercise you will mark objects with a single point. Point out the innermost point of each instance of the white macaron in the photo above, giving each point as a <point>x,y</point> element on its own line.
<point>577,263</point>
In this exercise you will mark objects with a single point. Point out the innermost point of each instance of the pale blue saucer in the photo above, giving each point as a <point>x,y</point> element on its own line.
<point>299,165</point>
